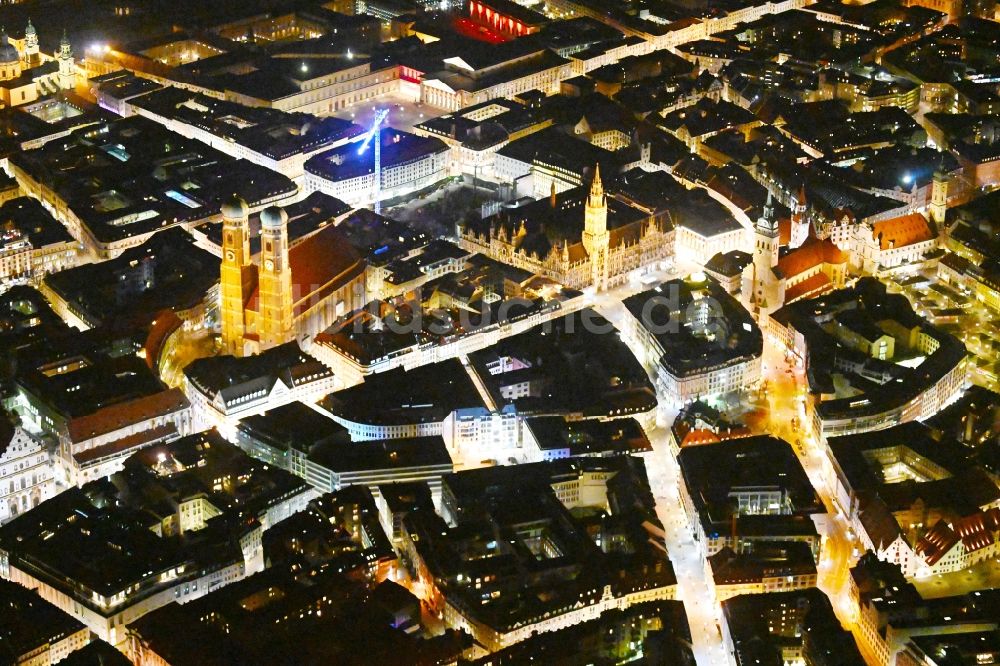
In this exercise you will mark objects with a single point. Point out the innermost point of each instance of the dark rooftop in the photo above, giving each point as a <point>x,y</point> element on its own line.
<point>167,272</point>
<point>343,456</point>
<point>267,131</point>
<point>98,538</point>
<point>25,219</point>
<point>575,368</point>
<point>693,341</point>
<point>712,472</point>
<point>589,436</point>
<point>236,377</point>
<point>292,426</point>
<point>421,395</point>
<point>131,176</point>
<point>29,623</point>
<point>398,149</point>
<point>762,626</point>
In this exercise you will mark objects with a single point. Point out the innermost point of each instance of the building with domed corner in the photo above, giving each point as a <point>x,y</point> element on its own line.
<point>27,74</point>
<point>287,291</point>
<point>10,59</point>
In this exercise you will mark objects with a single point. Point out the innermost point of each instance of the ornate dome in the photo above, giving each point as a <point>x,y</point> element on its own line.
<point>273,217</point>
<point>235,208</point>
<point>8,54</point>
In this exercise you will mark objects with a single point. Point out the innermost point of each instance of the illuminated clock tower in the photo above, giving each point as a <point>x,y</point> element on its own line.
<point>235,274</point>
<point>274,279</point>
<point>761,291</point>
<point>596,239</point>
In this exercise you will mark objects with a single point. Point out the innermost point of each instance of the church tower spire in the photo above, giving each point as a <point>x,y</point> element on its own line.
<point>938,208</point>
<point>596,197</point>
<point>275,279</point>
<point>234,279</point>
<point>760,288</point>
<point>799,231</point>
<point>596,239</point>
<point>30,45</point>
<point>766,232</point>
<point>67,73</point>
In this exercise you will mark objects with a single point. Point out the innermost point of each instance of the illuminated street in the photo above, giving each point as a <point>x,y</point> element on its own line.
<point>500,332</point>
<point>685,554</point>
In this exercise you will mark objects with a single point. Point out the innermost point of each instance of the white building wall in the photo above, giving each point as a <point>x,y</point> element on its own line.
<point>26,475</point>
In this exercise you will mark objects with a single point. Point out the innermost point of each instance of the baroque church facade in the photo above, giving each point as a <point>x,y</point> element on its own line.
<point>27,74</point>
<point>579,238</point>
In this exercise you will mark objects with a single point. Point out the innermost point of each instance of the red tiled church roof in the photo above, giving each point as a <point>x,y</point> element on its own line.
<point>111,418</point>
<point>784,230</point>
<point>811,286</point>
<point>813,252</point>
<point>902,231</point>
<point>320,263</point>
<point>936,543</point>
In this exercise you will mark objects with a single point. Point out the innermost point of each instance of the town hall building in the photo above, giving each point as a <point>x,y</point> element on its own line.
<point>548,237</point>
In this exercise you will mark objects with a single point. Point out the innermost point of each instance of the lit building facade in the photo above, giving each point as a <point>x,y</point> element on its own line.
<point>409,163</point>
<point>201,477</point>
<point>810,267</point>
<point>32,243</point>
<point>279,140</point>
<point>326,89</point>
<point>505,17</point>
<point>478,599</point>
<point>679,327</point>
<point>26,74</point>
<point>614,239</point>
<point>290,293</point>
<point>26,476</point>
<point>96,445</point>
<point>924,533</point>
<point>224,389</point>
<point>463,83</point>
<point>905,240</point>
